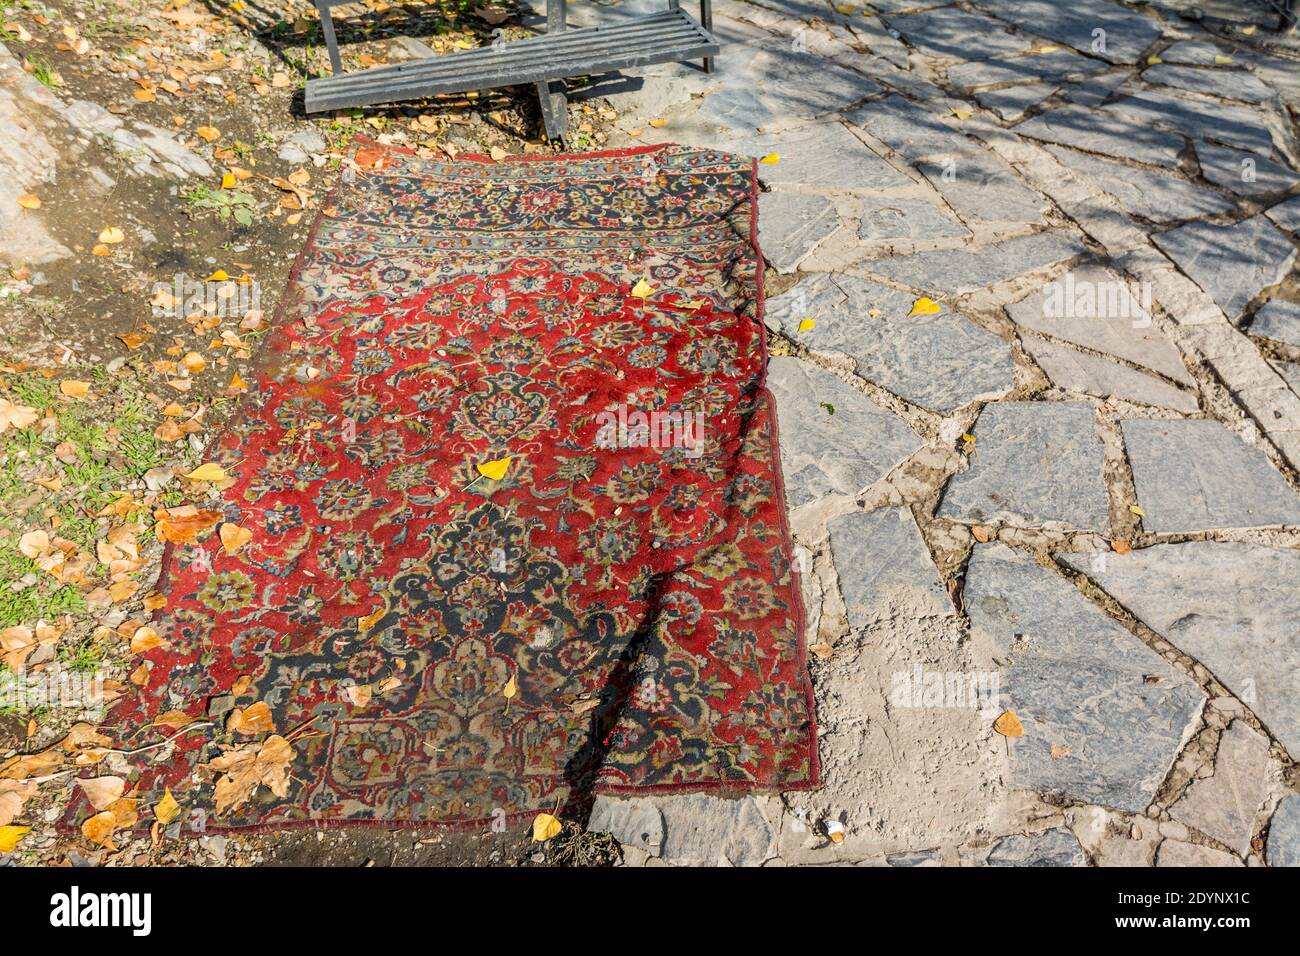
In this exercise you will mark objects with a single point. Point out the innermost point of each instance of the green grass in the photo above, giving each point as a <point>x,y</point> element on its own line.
<point>44,74</point>
<point>226,203</point>
<point>84,657</point>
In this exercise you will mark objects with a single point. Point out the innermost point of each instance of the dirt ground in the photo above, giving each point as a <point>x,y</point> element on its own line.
<point>110,389</point>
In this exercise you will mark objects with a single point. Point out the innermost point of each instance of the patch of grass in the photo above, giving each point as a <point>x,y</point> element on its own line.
<point>84,657</point>
<point>45,74</point>
<point>46,599</point>
<point>35,390</point>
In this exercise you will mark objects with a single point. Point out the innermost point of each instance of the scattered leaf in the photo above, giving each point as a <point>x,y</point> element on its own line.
<point>233,537</point>
<point>16,416</point>
<point>806,325</point>
<point>545,827</point>
<point>1119,546</point>
<point>924,306</point>
<point>979,534</point>
<point>771,159</point>
<point>208,133</point>
<point>642,289</point>
<point>9,837</point>
<point>74,389</point>
<point>29,201</point>
<point>210,471</point>
<point>103,792</point>
<point>494,470</point>
<point>167,809</point>
<point>1009,725</point>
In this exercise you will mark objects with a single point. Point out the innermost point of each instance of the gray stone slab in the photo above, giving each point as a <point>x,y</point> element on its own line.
<point>1247,174</point>
<point>773,86</point>
<point>1232,263</point>
<point>1033,67</point>
<point>1229,84</point>
<point>1195,53</point>
<point>1195,118</point>
<point>1055,847</point>
<point>704,830</point>
<point>1103,715</point>
<point>1278,319</point>
<point>958,271</point>
<point>1286,214</point>
<point>821,154</point>
<point>1088,307</point>
<point>1195,475</point>
<point>882,561</point>
<point>631,821</point>
<point>908,219</point>
<point>940,362</point>
<point>1034,463</point>
<point>915,858</point>
<point>1095,91</point>
<point>1092,375</point>
<point>1180,854</point>
<point>957,34</point>
<point>1225,804</point>
<point>1233,607</point>
<point>1158,195</point>
<point>1011,102</point>
<point>1096,132</point>
<point>973,181</point>
<point>790,226</point>
<point>1128,33</point>
<point>842,448</point>
<point>1284,833</point>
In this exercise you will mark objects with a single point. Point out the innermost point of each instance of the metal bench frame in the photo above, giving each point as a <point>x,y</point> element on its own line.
<point>544,61</point>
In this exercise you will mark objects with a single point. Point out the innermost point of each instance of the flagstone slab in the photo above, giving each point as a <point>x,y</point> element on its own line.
<point>908,219</point>
<point>833,438</point>
<point>1034,464</point>
<point>1092,375</point>
<point>790,226</point>
<point>1095,91</point>
<point>958,271</point>
<point>940,362</point>
<point>1231,606</point>
<point>1149,193</point>
<point>1055,847</point>
<point>1195,475</point>
<point>820,154</point>
<point>882,561</point>
<point>1195,118</point>
<point>1286,214</point>
<point>1090,313</point>
<point>1127,33</point>
<point>977,184</point>
<point>1278,319</point>
<point>957,34</point>
<point>1245,173</point>
<point>1290,371</point>
<point>1195,53</point>
<point>1225,804</point>
<point>1233,263</point>
<point>1284,833</point>
<point>1033,67</point>
<point>769,87</point>
<point>1103,715</point>
<point>1229,84</point>
<point>1012,102</point>
<point>1096,132</point>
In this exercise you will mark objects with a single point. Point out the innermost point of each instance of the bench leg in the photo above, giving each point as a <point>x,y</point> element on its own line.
<point>555,113</point>
<point>706,21</point>
<point>1286,19</point>
<point>331,41</point>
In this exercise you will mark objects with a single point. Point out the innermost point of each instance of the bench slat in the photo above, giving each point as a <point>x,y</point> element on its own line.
<point>657,38</point>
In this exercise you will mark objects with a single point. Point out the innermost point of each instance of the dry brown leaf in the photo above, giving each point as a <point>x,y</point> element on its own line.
<point>13,794</point>
<point>1009,725</point>
<point>233,537</point>
<point>253,719</point>
<point>103,792</point>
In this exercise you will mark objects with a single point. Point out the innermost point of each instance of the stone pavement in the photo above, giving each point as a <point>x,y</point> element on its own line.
<point>1070,491</point>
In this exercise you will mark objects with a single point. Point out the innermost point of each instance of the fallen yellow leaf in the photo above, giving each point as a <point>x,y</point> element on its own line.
<point>1137,511</point>
<point>924,306</point>
<point>642,289</point>
<point>1009,725</point>
<point>233,537</point>
<point>144,639</point>
<point>228,181</point>
<point>112,235</point>
<point>511,688</point>
<point>658,123</point>
<point>210,471</point>
<point>545,827</point>
<point>74,389</point>
<point>29,201</point>
<point>208,133</point>
<point>9,837</point>
<point>494,470</point>
<point>771,159</point>
<point>807,324</point>
<point>167,809</point>
<point>218,276</point>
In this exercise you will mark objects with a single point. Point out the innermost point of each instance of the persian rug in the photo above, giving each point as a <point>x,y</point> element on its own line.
<point>518,530</point>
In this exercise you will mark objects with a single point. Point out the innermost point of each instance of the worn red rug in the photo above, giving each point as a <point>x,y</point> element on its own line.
<point>518,530</point>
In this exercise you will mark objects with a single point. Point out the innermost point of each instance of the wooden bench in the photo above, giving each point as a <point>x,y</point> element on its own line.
<point>544,61</point>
